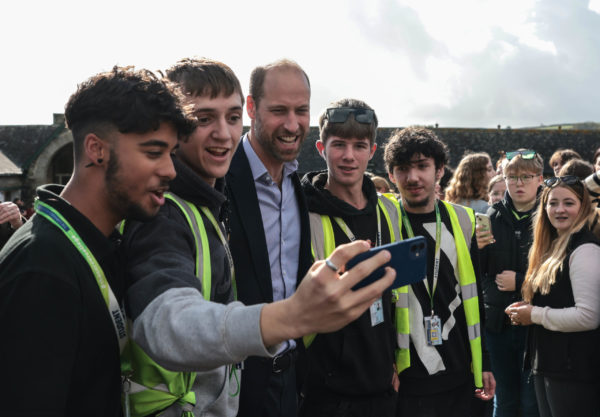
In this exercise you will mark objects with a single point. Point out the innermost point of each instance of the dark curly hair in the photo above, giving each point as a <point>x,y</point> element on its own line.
<point>128,100</point>
<point>403,144</point>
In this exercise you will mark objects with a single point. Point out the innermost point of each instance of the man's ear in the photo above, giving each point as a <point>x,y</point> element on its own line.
<point>95,149</point>
<point>391,177</point>
<point>321,148</point>
<point>373,149</point>
<point>439,173</point>
<point>250,107</point>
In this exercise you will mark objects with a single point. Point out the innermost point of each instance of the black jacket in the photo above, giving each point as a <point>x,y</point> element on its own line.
<point>59,353</point>
<point>249,249</point>
<point>509,252</point>
<point>150,276</point>
<point>565,355</point>
<point>358,359</point>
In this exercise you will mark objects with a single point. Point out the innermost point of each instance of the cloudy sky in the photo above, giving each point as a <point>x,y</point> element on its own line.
<point>470,63</point>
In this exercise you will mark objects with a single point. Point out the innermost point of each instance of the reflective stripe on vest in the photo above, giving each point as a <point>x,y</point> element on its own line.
<point>400,300</point>
<point>462,219</point>
<point>468,288</point>
<point>323,239</point>
<point>154,388</point>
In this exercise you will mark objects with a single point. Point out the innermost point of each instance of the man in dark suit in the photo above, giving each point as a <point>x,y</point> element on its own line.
<point>270,232</point>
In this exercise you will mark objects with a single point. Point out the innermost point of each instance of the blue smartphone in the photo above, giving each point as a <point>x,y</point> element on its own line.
<point>409,259</point>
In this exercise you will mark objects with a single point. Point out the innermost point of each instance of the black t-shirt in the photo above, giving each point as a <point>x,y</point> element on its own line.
<point>454,354</point>
<point>59,353</point>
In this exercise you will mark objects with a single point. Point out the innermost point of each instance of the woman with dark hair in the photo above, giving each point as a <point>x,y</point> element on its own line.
<point>468,186</point>
<point>561,296</point>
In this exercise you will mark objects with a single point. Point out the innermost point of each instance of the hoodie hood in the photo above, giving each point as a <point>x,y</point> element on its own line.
<point>321,201</point>
<point>189,186</point>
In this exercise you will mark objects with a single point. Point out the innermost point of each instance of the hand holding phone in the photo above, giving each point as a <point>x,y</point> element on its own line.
<point>409,259</point>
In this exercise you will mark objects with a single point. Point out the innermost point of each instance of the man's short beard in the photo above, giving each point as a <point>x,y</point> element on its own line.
<point>422,203</point>
<point>267,143</point>
<point>119,198</point>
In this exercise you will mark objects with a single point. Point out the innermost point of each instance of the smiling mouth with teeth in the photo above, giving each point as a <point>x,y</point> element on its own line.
<point>287,139</point>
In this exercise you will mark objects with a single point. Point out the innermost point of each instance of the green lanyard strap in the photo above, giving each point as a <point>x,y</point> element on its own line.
<point>57,219</point>
<point>438,244</point>
<point>214,223</point>
<point>349,233</point>
<point>520,217</point>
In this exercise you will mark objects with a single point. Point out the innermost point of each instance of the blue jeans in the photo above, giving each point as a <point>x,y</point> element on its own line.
<point>514,387</point>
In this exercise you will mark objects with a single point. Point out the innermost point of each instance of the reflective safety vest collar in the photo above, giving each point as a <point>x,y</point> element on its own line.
<point>154,388</point>
<point>323,239</point>
<point>462,219</point>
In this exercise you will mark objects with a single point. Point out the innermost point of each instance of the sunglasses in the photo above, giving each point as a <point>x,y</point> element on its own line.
<point>567,180</point>
<point>340,115</point>
<point>526,154</point>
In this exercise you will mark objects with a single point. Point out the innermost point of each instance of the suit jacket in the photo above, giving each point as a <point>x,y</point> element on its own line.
<point>251,259</point>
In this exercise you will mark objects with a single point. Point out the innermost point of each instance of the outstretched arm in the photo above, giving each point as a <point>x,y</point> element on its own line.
<point>324,301</point>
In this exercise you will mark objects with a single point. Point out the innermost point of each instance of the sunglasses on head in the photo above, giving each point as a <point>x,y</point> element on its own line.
<point>340,115</point>
<point>526,154</point>
<point>567,180</point>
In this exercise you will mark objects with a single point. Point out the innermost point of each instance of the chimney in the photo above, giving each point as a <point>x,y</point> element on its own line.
<point>58,119</point>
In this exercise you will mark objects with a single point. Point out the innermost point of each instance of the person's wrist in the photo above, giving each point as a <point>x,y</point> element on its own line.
<point>15,224</point>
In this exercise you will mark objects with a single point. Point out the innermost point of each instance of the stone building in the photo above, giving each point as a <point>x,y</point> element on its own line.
<point>31,155</point>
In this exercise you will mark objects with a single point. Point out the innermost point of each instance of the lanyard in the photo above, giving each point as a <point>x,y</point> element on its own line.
<point>214,223</point>
<point>54,217</point>
<point>349,233</point>
<point>438,243</point>
<point>524,216</point>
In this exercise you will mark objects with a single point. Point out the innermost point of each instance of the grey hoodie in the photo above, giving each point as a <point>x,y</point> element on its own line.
<point>172,321</point>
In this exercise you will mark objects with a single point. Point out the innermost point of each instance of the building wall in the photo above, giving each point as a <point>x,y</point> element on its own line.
<point>460,141</point>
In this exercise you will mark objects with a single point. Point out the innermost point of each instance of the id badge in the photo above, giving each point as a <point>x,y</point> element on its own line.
<point>376,312</point>
<point>433,330</point>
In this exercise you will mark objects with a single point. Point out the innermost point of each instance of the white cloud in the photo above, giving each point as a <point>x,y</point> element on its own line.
<point>460,63</point>
<point>594,6</point>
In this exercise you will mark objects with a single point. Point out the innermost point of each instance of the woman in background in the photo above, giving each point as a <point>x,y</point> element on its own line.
<point>496,190</point>
<point>468,186</point>
<point>561,296</point>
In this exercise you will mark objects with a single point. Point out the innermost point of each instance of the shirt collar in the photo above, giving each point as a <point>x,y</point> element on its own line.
<point>258,168</point>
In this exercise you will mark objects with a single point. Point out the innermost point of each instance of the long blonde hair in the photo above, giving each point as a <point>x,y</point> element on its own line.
<point>549,249</point>
<point>470,180</point>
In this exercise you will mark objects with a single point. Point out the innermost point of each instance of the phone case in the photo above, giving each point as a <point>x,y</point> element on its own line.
<point>484,221</point>
<point>409,259</point>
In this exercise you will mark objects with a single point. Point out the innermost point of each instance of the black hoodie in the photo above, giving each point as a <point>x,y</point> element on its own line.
<point>510,251</point>
<point>356,361</point>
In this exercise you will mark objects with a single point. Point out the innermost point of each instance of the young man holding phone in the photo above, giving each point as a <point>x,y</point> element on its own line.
<point>351,371</point>
<point>504,262</point>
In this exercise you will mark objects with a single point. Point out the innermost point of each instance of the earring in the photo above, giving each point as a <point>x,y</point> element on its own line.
<point>100,160</point>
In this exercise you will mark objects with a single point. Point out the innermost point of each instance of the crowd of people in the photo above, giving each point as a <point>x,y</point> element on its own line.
<point>187,270</point>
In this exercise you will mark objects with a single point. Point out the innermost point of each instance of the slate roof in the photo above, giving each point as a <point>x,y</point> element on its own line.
<point>21,144</point>
<point>7,167</point>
